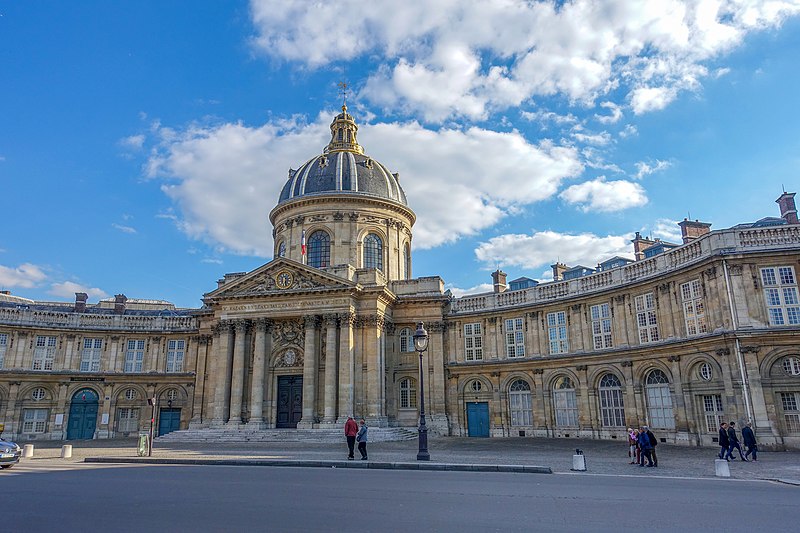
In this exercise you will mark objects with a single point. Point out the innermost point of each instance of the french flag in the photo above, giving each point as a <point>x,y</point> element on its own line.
<point>303,245</point>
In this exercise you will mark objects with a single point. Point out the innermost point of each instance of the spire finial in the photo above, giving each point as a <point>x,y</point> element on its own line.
<point>343,86</point>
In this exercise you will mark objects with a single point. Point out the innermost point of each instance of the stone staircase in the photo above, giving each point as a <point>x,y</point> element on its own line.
<point>245,434</point>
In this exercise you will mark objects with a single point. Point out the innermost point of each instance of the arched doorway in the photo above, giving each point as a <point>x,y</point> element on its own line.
<point>82,415</point>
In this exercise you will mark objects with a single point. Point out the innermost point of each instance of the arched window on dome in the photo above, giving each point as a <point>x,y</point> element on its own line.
<point>406,262</point>
<point>659,401</point>
<point>373,252</point>
<point>281,250</point>
<point>319,249</point>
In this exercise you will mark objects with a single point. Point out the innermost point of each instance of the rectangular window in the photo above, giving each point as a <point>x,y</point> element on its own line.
<point>175,352</point>
<point>520,404</point>
<point>791,413</point>
<point>3,347</point>
<point>601,326</point>
<point>557,332</point>
<point>646,318</point>
<point>473,342</point>
<point>127,419</point>
<point>134,356</point>
<point>90,357</point>
<point>515,338</point>
<point>780,292</point>
<point>566,407</point>
<point>45,353</point>
<point>712,406</point>
<point>694,311</point>
<point>34,421</point>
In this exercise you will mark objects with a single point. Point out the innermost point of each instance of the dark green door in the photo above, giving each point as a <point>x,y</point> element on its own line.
<point>82,415</point>
<point>290,401</point>
<point>168,420</point>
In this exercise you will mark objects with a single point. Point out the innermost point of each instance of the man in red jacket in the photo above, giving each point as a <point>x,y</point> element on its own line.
<point>350,431</point>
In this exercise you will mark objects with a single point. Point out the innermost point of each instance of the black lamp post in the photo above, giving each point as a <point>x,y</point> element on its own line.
<point>421,344</point>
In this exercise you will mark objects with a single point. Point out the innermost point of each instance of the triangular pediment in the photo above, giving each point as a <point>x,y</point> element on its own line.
<point>279,277</point>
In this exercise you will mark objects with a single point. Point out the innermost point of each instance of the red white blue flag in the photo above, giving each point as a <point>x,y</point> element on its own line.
<point>303,245</point>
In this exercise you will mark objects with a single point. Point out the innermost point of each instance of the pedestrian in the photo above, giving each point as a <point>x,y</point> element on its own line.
<point>647,448</point>
<point>749,439</point>
<point>632,445</point>
<point>362,440</point>
<point>653,443</point>
<point>723,441</point>
<point>350,430</point>
<point>733,442</point>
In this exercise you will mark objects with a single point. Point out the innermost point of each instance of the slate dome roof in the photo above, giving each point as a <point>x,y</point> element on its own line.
<point>343,168</point>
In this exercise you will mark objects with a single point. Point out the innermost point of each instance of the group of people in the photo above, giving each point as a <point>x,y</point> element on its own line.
<point>642,447</point>
<point>728,442</point>
<point>353,433</point>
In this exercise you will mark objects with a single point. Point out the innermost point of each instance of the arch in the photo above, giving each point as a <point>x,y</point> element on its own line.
<point>519,403</point>
<point>85,395</point>
<point>25,394</point>
<point>319,249</point>
<point>642,372</point>
<point>122,389</point>
<point>407,393</point>
<point>692,365</point>
<point>597,374</point>
<point>162,392</point>
<point>373,252</point>
<point>83,410</point>
<point>467,385</point>
<point>776,357</point>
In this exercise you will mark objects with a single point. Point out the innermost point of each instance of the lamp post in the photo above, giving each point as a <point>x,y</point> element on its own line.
<point>421,344</point>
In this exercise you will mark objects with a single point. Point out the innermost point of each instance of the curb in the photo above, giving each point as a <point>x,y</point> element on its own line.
<point>376,465</point>
<point>794,482</point>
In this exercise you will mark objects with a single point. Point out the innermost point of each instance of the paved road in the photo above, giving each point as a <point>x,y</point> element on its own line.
<point>74,496</point>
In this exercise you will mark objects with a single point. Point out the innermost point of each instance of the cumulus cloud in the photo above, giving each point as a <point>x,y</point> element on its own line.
<point>614,113</point>
<point>477,289</point>
<point>664,228</point>
<point>132,142</point>
<point>446,59</point>
<point>68,289</point>
<point>460,182</point>
<point>644,168</point>
<point>543,248</point>
<point>25,276</point>
<point>604,196</point>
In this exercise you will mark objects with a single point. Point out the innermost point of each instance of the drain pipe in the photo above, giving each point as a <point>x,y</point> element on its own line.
<point>737,347</point>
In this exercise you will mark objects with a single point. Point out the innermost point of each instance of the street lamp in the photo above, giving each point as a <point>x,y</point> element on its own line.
<point>420,345</point>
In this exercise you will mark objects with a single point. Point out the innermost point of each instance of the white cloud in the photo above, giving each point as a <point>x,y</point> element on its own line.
<point>123,229</point>
<point>132,142</point>
<point>614,116</point>
<point>68,289</point>
<point>628,131</point>
<point>598,139</point>
<point>447,59</point>
<point>211,261</point>
<point>602,195</point>
<point>543,248</point>
<point>25,276</point>
<point>477,171</point>
<point>645,169</point>
<point>477,289</point>
<point>665,229</point>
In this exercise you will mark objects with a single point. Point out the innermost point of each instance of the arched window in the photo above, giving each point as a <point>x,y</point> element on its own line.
<point>408,393</point>
<point>705,372</point>
<point>282,249</point>
<point>659,401</point>
<point>406,340</point>
<point>319,249</point>
<point>519,400</point>
<point>475,386</point>
<point>565,403</point>
<point>373,252</point>
<point>791,365</point>
<point>612,408</point>
<point>406,262</point>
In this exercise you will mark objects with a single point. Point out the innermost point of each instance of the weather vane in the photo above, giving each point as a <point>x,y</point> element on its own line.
<point>343,86</point>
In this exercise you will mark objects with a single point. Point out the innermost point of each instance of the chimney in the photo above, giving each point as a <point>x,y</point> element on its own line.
<point>499,280</point>
<point>693,230</point>
<point>558,271</point>
<point>6,292</point>
<point>80,302</point>
<point>640,244</point>
<point>788,210</point>
<point>119,303</point>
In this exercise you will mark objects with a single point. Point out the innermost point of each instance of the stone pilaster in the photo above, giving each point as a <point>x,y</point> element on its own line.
<point>331,370</point>
<point>262,327</point>
<point>237,372</point>
<point>222,353</point>
<point>435,378</point>
<point>22,341</point>
<point>13,425</point>
<point>346,366</point>
<point>309,373</point>
<point>202,345</point>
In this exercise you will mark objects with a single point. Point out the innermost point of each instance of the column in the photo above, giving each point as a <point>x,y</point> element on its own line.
<point>13,423</point>
<point>20,349</point>
<point>222,364</point>
<point>346,370</point>
<point>103,430</point>
<point>331,368</point>
<point>435,379</point>
<point>309,373</point>
<point>237,373</point>
<point>372,351</point>
<point>200,381</point>
<point>259,367</point>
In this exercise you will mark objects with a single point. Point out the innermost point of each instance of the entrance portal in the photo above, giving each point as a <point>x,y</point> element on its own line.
<point>290,401</point>
<point>82,415</point>
<point>168,420</point>
<point>478,419</point>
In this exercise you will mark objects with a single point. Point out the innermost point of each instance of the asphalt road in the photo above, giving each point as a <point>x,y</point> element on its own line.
<point>84,497</point>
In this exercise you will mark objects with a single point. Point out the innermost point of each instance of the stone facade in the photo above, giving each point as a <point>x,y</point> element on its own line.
<point>679,341</point>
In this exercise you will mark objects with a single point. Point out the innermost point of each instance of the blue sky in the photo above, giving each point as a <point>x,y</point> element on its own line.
<point>143,144</point>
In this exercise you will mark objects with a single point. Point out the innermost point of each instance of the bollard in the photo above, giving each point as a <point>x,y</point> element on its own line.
<point>27,450</point>
<point>578,462</point>
<point>66,451</point>
<point>721,468</point>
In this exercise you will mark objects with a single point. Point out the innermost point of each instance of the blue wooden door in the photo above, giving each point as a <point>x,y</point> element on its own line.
<point>82,415</point>
<point>478,419</point>
<point>169,420</point>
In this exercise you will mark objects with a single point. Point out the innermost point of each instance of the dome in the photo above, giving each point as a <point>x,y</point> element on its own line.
<point>343,168</point>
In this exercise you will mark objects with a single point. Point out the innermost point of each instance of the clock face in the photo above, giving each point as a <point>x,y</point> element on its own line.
<point>284,280</point>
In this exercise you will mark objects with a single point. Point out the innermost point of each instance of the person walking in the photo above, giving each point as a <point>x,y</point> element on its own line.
<point>723,441</point>
<point>350,431</point>
<point>733,442</point>
<point>644,444</point>
<point>749,439</point>
<point>362,440</point>
<point>653,443</point>
<point>632,446</point>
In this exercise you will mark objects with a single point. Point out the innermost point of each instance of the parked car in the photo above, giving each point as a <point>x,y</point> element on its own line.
<point>10,452</point>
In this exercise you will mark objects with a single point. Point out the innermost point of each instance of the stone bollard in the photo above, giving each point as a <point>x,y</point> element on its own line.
<point>579,463</point>
<point>27,450</point>
<point>66,451</point>
<point>721,468</point>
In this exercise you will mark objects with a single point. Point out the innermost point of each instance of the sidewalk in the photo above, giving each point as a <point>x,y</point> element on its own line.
<point>602,457</point>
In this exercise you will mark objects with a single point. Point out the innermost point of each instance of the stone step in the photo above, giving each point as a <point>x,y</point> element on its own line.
<point>282,435</point>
